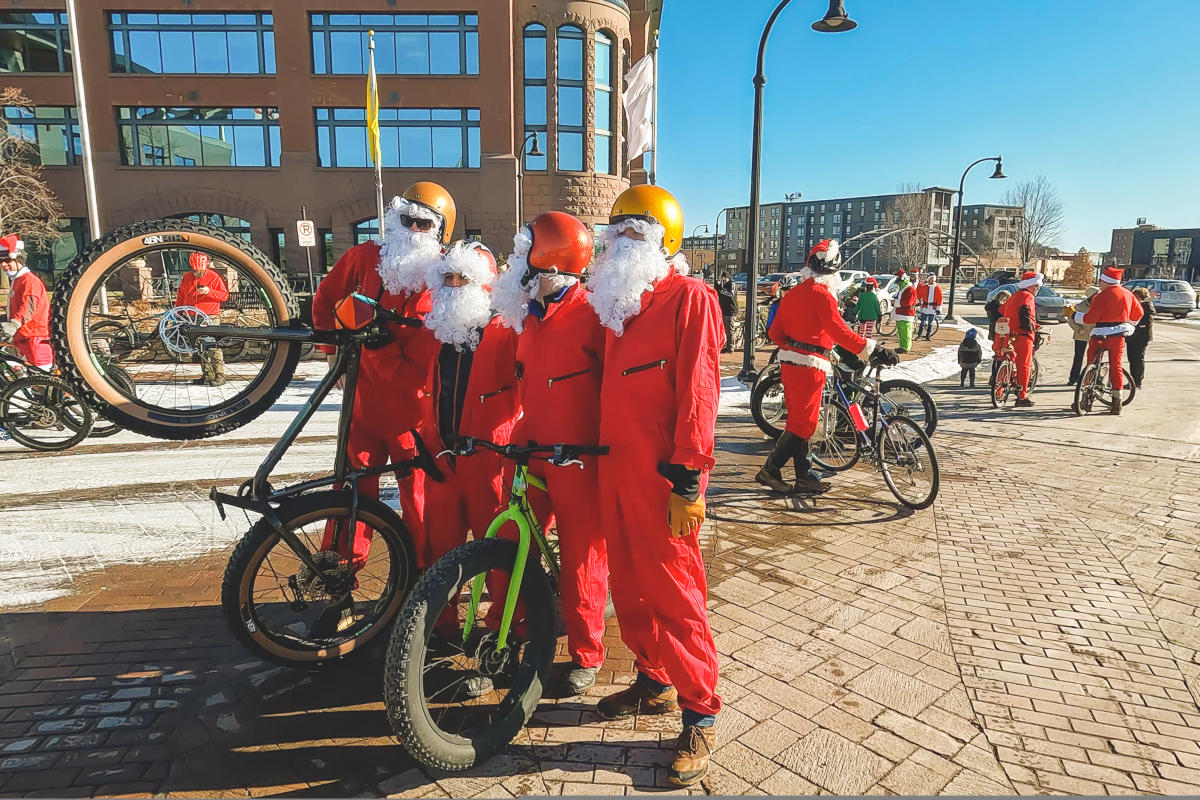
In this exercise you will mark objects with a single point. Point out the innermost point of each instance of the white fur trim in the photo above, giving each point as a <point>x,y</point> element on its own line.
<point>865,353</point>
<point>806,360</point>
<point>1036,280</point>
<point>400,205</point>
<point>1079,317</point>
<point>905,318</point>
<point>1124,329</point>
<point>1106,279</point>
<point>461,259</point>
<point>680,264</point>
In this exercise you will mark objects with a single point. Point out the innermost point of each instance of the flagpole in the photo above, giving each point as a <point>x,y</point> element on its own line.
<point>654,118</point>
<point>373,133</point>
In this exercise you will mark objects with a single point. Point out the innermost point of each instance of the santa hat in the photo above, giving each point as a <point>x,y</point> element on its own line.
<point>1030,279</point>
<point>1112,275</point>
<point>467,258</point>
<point>872,282</point>
<point>11,246</point>
<point>825,256</point>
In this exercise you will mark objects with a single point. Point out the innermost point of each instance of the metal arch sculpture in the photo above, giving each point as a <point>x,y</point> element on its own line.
<point>880,234</point>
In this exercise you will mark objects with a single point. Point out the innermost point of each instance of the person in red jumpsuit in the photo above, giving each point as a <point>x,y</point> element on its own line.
<point>1114,311</point>
<point>1021,313</point>
<point>560,361</point>
<point>806,328</point>
<point>204,289</point>
<point>658,410</point>
<point>391,392</point>
<point>27,327</point>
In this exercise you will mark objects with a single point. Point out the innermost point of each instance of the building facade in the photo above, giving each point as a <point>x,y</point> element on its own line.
<point>701,251</point>
<point>787,231</point>
<point>1121,248</point>
<point>241,112</point>
<point>993,230</point>
<point>1166,253</point>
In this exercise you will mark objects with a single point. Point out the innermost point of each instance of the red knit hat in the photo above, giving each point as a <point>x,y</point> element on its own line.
<point>1112,275</point>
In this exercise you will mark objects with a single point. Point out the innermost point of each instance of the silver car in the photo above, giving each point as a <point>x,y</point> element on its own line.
<point>1050,306</point>
<point>1170,296</point>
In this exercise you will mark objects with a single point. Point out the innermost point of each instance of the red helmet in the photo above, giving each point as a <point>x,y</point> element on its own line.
<point>199,261</point>
<point>561,244</point>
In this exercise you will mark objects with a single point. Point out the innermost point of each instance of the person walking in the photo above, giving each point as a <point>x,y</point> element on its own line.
<point>1081,333</point>
<point>867,308</point>
<point>1143,334</point>
<point>727,297</point>
<point>969,355</point>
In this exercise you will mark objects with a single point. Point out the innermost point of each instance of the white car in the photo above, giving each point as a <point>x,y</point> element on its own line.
<point>852,276</point>
<point>1170,296</point>
<point>887,291</point>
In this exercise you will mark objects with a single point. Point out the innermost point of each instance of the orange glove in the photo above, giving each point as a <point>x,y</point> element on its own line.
<point>683,515</point>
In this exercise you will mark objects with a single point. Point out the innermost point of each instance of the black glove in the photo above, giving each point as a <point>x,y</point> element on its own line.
<point>380,337</point>
<point>685,482</point>
<point>882,357</point>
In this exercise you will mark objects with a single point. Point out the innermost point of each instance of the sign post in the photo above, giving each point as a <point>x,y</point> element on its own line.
<point>306,236</point>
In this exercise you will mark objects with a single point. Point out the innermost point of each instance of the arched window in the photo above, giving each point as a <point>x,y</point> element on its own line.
<point>571,88</point>
<point>605,81</point>
<point>366,230</point>
<point>535,94</point>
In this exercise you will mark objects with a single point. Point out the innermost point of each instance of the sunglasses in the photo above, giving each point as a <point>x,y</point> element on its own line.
<point>413,222</point>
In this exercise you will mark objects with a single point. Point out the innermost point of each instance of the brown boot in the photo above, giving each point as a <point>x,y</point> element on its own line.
<point>637,699</point>
<point>693,753</point>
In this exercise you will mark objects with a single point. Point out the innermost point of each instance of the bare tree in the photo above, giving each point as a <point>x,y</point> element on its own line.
<point>911,209</point>
<point>1042,225</point>
<point>27,205</point>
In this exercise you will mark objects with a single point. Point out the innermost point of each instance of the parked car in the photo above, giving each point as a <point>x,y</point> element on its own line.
<point>852,276</point>
<point>981,289</point>
<point>1050,306</point>
<point>739,281</point>
<point>1170,296</point>
<point>887,291</point>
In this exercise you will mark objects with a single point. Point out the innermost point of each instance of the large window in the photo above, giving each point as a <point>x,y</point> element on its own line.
<point>199,137</point>
<point>603,101</point>
<point>34,41</point>
<point>366,230</point>
<point>191,44</point>
<point>405,44</point>
<point>445,138</point>
<point>571,87</point>
<point>535,94</point>
<point>235,225</point>
<point>52,259</point>
<point>53,130</point>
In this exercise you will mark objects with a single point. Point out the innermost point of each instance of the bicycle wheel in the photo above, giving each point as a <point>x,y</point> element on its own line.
<point>910,399</point>
<point>937,325</point>
<point>887,324</point>
<point>1001,385</point>
<point>279,610</point>
<point>111,337</point>
<point>767,405</point>
<point>455,704</point>
<point>1085,390</point>
<point>909,466</point>
<point>1033,375</point>
<point>119,275</point>
<point>44,413</point>
<point>1128,388</point>
<point>103,427</point>
<point>835,443</point>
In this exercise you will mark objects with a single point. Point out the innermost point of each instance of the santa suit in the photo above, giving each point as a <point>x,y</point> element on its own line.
<point>189,292</point>
<point>560,358</point>
<point>391,389</point>
<point>658,404</point>
<point>931,305</point>
<point>1113,311</point>
<point>906,312</point>
<point>1021,313</point>
<point>806,328</point>
<point>28,306</point>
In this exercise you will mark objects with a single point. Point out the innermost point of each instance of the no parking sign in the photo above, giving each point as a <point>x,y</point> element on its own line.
<point>306,233</point>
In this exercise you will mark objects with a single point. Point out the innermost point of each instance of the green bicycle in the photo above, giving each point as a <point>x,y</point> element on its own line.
<point>454,702</point>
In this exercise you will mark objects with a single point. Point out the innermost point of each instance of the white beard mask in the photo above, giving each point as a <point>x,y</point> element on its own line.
<point>626,270</point>
<point>512,292</point>
<point>831,281</point>
<point>458,314</point>
<point>406,254</point>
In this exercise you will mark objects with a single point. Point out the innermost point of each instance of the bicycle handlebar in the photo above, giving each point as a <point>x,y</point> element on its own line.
<point>560,455</point>
<point>387,315</point>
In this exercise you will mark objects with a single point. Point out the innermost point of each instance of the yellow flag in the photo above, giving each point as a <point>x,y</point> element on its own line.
<point>373,106</point>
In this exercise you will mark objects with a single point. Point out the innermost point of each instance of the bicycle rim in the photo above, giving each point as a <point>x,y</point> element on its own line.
<point>909,399</point>
<point>835,443</point>
<point>1001,386</point>
<point>1085,391</point>
<point>452,698</point>
<point>43,413</point>
<point>767,405</point>
<point>908,463</point>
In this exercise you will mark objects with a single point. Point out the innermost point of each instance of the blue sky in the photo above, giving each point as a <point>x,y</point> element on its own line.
<point>1100,96</point>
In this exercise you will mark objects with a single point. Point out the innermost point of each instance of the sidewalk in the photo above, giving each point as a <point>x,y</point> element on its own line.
<point>1027,634</point>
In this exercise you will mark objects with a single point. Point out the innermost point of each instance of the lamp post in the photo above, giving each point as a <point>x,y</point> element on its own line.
<point>533,151</point>
<point>834,21</point>
<point>716,233</point>
<point>956,262</point>
<point>692,249</point>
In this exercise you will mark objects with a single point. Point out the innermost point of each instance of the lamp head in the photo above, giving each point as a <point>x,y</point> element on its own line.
<point>534,150</point>
<point>835,19</point>
<point>999,173</point>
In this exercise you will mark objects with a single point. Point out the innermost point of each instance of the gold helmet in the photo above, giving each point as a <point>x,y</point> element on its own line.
<point>434,197</point>
<point>655,204</point>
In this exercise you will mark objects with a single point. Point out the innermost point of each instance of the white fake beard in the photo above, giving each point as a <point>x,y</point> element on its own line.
<point>512,292</point>
<point>832,281</point>
<point>626,270</point>
<point>458,314</point>
<point>404,258</point>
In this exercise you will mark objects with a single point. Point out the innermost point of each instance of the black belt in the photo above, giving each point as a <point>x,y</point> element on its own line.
<point>810,348</point>
<point>1107,324</point>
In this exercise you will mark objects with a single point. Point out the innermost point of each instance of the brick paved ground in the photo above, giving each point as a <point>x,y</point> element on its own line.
<point>1033,632</point>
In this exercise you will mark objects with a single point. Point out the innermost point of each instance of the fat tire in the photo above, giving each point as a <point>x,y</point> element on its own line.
<point>91,265</point>
<point>931,409</point>
<point>403,671</point>
<point>261,537</point>
<point>757,394</point>
<point>48,382</point>
<point>928,447</point>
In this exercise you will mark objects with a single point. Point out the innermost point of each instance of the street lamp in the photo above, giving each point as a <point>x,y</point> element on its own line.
<point>834,21</point>
<point>534,151</point>
<point>692,249</point>
<point>956,263</point>
<point>717,233</point>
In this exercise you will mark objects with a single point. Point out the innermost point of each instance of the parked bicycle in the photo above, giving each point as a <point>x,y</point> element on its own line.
<point>452,704</point>
<point>1095,387</point>
<point>39,410</point>
<point>1003,385</point>
<point>760,329</point>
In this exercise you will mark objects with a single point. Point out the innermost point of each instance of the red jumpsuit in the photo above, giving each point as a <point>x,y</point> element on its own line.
<point>391,390</point>
<point>189,294</point>
<point>658,403</point>
<point>1020,334</point>
<point>806,327</point>
<point>1111,310</point>
<point>27,304</point>
<point>560,362</point>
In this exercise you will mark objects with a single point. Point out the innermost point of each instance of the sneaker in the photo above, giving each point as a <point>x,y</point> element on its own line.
<point>1023,402</point>
<point>901,349</point>
<point>575,679</point>
<point>693,754</point>
<point>773,480</point>
<point>637,699</point>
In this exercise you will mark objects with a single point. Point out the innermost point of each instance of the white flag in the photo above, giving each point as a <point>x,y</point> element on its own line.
<point>638,100</point>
